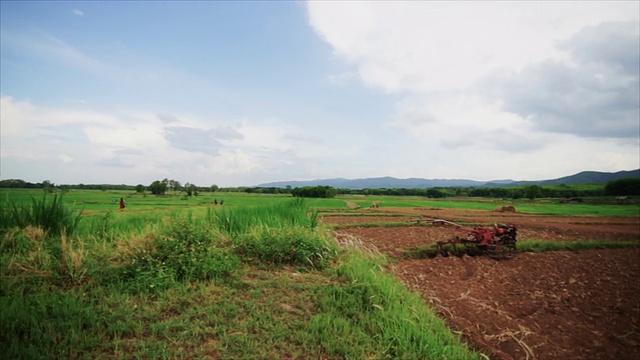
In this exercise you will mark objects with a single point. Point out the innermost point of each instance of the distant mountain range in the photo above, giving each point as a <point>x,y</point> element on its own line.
<point>585,177</point>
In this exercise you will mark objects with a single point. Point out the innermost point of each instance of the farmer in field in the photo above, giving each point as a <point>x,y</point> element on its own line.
<point>121,204</point>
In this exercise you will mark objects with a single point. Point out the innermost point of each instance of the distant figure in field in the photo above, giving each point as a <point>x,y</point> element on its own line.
<point>221,201</point>
<point>121,204</point>
<point>215,201</point>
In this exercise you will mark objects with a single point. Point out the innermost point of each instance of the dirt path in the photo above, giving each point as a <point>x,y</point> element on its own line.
<point>557,305</point>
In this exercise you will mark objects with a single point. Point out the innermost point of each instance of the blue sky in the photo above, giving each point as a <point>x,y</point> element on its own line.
<point>243,93</point>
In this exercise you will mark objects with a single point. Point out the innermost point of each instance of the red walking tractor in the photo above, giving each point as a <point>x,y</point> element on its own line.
<point>498,241</point>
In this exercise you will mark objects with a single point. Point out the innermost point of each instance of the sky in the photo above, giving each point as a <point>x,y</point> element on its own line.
<point>246,93</point>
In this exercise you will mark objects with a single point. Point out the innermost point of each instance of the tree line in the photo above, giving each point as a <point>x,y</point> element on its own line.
<point>622,187</point>
<point>158,187</point>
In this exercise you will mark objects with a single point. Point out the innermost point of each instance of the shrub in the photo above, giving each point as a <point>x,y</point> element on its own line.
<point>184,252</point>
<point>297,245</point>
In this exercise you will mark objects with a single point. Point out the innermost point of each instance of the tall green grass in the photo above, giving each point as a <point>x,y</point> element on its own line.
<point>239,220</point>
<point>50,214</point>
<point>292,245</point>
<point>371,315</point>
<point>112,225</point>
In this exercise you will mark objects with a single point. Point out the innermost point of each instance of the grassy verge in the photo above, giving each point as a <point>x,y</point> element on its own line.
<point>273,285</point>
<point>543,246</point>
<point>47,212</point>
<point>534,246</point>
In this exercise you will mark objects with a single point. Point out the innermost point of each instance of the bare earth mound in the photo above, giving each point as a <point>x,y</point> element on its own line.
<point>555,305</point>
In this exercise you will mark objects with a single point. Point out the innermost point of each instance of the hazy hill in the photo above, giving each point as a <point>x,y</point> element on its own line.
<point>585,177</point>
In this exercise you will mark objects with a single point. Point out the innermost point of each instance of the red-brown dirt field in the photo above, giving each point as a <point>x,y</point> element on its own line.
<point>553,305</point>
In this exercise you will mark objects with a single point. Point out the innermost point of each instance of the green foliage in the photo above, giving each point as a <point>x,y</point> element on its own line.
<point>623,187</point>
<point>28,248</point>
<point>158,187</point>
<point>543,246</point>
<point>190,189</point>
<point>537,191</point>
<point>49,214</point>
<point>532,191</point>
<point>315,192</point>
<point>293,245</point>
<point>49,326</point>
<point>182,253</point>
<point>240,220</point>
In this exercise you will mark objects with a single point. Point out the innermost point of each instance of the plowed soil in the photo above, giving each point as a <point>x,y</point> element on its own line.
<point>554,305</point>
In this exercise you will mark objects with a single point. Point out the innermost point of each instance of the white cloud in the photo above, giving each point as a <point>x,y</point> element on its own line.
<point>14,115</point>
<point>465,74</point>
<point>78,12</point>
<point>118,135</point>
<point>427,46</point>
<point>271,137</point>
<point>65,158</point>
<point>140,145</point>
<point>231,162</point>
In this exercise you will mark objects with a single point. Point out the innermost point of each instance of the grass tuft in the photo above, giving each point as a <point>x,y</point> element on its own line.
<point>50,215</point>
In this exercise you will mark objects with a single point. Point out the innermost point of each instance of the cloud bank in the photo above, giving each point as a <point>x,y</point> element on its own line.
<point>478,80</point>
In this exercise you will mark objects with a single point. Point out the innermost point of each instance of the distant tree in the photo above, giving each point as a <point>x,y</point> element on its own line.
<point>140,188</point>
<point>47,184</point>
<point>15,183</point>
<point>532,191</point>
<point>435,193</point>
<point>158,187</point>
<point>315,192</point>
<point>175,185</point>
<point>191,189</point>
<point>214,188</point>
<point>623,187</point>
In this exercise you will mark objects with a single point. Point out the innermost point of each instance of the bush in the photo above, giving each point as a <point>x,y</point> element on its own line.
<point>185,252</point>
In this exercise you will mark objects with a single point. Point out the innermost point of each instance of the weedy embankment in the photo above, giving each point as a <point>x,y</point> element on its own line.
<point>246,282</point>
